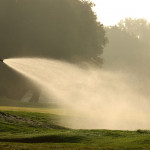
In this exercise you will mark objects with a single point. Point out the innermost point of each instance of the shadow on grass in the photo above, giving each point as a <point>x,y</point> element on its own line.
<point>46,139</point>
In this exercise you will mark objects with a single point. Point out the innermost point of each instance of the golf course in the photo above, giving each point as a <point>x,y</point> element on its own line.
<point>26,126</point>
<point>74,75</point>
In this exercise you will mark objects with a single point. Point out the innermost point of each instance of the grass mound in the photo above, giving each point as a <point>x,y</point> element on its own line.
<point>41,131</point>
<point>24,120</point>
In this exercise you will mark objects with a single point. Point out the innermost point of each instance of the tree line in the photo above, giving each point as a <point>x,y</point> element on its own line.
<point>65,30</point>
<point>128,52</point>
<point>60,29</point>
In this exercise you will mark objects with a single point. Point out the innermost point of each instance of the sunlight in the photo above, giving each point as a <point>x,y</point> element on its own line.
<point>111,12</point>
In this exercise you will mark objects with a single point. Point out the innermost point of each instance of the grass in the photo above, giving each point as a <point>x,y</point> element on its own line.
<point>50,108</point>
<point>28,130</point>
<point>10,102</point>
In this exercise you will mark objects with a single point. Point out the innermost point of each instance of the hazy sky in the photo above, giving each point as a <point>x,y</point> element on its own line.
<point>110,12</point>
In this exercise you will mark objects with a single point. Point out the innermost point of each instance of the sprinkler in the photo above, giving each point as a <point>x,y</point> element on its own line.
<point>2,60</point>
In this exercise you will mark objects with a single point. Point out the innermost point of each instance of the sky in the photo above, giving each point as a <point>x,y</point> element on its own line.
<point>110,12</point>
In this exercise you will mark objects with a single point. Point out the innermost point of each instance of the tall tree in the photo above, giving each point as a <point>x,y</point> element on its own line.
<point>60,29</point>
<point>129,54</point>
<point>137,27</point>
<point>123,50</point>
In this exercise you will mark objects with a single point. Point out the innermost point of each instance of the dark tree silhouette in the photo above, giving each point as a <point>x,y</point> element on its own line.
<point>60,29</point>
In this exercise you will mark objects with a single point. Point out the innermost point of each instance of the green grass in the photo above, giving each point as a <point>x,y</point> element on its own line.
<point>29,128</point>
<point>40,131</point>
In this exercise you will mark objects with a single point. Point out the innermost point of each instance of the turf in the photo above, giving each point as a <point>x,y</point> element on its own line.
<point>40,131</point>
<point>28,126</point>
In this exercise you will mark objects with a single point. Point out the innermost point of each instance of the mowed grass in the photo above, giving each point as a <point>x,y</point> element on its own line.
<point>27,130</point>
<point>56,111</point>
<point>50,108</point>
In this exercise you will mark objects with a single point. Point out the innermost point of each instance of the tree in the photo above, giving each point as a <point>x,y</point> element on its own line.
<point>137,27</point>
<point>124,50</point>
<point>60,29</point>
<point>130,55</point>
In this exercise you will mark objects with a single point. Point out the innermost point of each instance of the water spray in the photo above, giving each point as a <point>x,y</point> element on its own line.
<point>97,98</point>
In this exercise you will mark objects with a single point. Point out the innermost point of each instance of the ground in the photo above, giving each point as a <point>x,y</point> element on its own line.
<point>28,128</point>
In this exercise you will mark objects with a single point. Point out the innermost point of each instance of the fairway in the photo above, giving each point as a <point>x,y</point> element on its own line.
<point>56,111</point>
<point>36,128</point>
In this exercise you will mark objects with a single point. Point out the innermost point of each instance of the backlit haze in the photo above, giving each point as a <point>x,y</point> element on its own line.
<point>110,12</point>
<point>96,98</point>
<point>115,96</point>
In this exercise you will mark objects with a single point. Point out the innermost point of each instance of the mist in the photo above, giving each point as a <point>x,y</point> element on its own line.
<point>54,41</point>
<point>93,97</point>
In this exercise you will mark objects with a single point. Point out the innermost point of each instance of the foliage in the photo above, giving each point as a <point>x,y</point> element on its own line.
<point>137,27</point>
<point>128,52</point>
<point>126,48</point>
<point>60,29</point>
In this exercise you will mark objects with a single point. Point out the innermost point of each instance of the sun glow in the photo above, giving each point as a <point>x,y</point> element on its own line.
<point>110,12</point>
